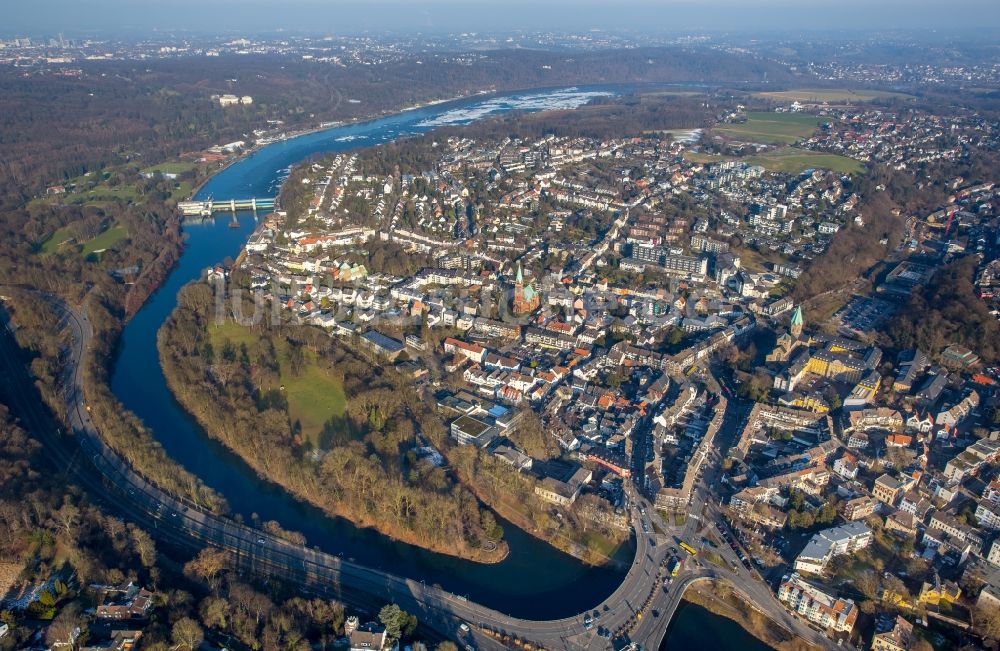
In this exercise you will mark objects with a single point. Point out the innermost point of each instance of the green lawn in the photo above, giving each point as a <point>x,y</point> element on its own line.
<point>794,161</point>
<point>178,167</point>
<point>830,95</point>
<point>699,157</point>
<point>181,191</point>
<point>236,334</point>
<point>713,558</point>
<point>598,543</point>
<point>779,128</point>
<point>52,244</point>
<point>125,193</point>
<point>314,396</point>
<point>105,240</point>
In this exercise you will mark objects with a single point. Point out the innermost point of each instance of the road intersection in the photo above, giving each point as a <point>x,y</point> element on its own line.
<point>639,610</point>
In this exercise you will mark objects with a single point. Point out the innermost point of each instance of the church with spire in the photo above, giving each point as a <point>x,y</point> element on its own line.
<point>526,299</point>
<point>795,327</point>
<point>787,341</point>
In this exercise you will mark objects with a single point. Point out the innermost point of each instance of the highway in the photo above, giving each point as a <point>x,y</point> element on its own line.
<point>626,614</point>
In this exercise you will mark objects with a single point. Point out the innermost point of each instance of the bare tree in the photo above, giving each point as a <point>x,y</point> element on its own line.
<point>65,628</point>
<point>187,634</point>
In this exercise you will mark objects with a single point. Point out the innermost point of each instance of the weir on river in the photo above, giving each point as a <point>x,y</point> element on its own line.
<point>535,580</point>
<point>211,205</point>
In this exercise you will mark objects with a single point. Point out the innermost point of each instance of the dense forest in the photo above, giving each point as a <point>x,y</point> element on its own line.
<point>856,249</point>
<point>46,522</point>
<point>51,533</point>
<point>367,465</point>
<point>948,311</point>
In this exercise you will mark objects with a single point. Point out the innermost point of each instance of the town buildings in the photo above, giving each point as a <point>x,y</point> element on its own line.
<point>837,615</point>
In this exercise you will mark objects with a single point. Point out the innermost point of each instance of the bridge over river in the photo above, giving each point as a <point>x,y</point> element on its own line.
<point>211,205</point>
<point>627,612</point>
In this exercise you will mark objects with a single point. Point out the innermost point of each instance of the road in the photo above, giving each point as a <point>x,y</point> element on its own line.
<point>626,614</point>
<point>704,516</point>
<point>179,522</point>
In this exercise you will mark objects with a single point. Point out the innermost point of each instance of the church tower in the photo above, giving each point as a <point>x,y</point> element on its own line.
<point>796,325</point>
<point>526,299</point>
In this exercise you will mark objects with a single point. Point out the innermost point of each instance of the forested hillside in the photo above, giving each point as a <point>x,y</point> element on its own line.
<point>364,462</point>
<point>948,311</point>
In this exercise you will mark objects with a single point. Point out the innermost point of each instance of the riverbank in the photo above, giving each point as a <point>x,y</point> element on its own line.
<point>595,547</point>
<point>325,126</point>
<point>357,467</point>
<point>720,599</point>
<point>696,627</point>
<point>533,580</point>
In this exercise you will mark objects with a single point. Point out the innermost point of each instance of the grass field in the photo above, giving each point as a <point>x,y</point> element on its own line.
<point>52,244</point>
<point>105,240</point>
<point>125,193</point>
<point>314,396</point>
<point>699,157</point>
<point>773,128</point>
<point>829,95</point>
<point>794,161</point>
<point>181,191</point>
<point>170,168</point>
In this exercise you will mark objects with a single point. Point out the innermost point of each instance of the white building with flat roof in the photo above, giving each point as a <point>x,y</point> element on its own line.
<point>822,547</point>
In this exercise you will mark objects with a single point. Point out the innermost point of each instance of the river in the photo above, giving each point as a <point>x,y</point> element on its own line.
<point>535,580</point>
<point>695,627</point>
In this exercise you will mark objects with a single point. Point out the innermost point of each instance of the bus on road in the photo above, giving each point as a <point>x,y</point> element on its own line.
<point>689,549</point>
<point>674,566</point>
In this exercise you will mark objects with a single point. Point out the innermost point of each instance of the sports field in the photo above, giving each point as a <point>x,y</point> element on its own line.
<point>771,128</point>
<point>793,161</point>
<point>829,95</point>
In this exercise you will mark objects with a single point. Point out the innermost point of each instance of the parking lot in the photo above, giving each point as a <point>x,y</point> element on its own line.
<point>863,314</point>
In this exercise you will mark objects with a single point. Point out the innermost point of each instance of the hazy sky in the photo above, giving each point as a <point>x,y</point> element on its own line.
<point>352,16</point>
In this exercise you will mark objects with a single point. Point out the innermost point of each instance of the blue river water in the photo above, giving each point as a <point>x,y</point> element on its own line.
<point>535,580</point>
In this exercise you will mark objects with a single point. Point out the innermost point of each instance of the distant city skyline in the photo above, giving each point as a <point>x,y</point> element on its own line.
<point>131,17</point>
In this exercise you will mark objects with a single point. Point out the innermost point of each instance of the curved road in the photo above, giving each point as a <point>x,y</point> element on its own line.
<point>628,613</point>
<point>258,551</point>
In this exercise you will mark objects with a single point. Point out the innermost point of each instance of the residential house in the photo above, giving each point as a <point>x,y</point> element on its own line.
<point>816,605</point>
<point>366,637</point>
<point>898,638</point>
